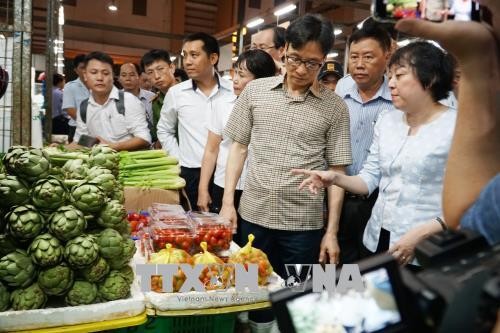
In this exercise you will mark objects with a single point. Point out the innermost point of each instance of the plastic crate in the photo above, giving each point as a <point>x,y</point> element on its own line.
<point>220,323</point>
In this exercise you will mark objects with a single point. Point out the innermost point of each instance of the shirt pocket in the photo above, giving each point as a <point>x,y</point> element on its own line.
<point>118,126</point>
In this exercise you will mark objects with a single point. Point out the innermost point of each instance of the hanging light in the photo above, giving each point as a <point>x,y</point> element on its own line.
<point>255,22</point>
<point>112,6</point>
<point>285,10</point>
<point>337,31</point>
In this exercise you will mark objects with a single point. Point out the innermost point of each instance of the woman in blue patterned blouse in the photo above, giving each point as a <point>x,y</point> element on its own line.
<point>408,155</point>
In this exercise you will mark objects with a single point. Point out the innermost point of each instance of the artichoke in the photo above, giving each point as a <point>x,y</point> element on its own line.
<point>118,194</point>
<point>32,165</point>
<point>11,157</point>
<point>106,157</point>
<point>81,251</point>
<point>110,243</point>
<point>48,194</point>
<point>24,222</point>
<point>114,286</point>
<point>128,251</point>
<point>96,271</point>
<point>102,177</point>
<point>56,280</point>
<point>82,292</point>
<point>67,222</point>
<point>124,228</point>
<point>46,250</point>
<point>7,244</point>
<point>75,169</point>
<point>128,273</point>
<point>29,298</point>
<point>87,197</point>
<point>4,298</point>
<point>16,269</point>
<point>112,215</point>
<point>13,191</point>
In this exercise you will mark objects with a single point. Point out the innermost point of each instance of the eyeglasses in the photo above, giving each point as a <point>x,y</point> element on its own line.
<point>261,47</point>
<point>296,62</point>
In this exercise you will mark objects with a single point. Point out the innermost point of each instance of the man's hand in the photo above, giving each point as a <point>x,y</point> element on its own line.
<point>229,212</point>
<point>106,142</point>
<point>203,200</point>
<point>316,179</point>
<point>329,251</point>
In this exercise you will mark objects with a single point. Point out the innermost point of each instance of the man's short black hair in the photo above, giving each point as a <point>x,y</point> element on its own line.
<point>432,67</point>
<point>78,60</point>
<point>374,31</point>
<point>137,67</point>
<point>258,62</point>
<point>179,72</point>
<point>155,55</point>
<point>210,44</point>
<point>57,78</point>
<point>310,28</point>
<point>278,34</point>
<point>100,56</point>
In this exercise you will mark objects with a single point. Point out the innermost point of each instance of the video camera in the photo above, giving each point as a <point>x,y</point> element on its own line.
<point>457,290</point>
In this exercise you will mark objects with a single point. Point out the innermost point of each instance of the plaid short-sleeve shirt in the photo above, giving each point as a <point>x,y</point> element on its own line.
<point>285,132</point>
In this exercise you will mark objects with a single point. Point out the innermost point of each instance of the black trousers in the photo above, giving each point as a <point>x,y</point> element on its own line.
<point>356,212</point>
<point>71,133</point>
<point>217,194</point>
<point>192,177</point>
<point>60,125</point>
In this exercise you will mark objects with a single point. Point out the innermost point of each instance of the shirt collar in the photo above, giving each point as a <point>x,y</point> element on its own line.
<point>315,88</point>
<point>382,92</point>
<point>112,95</point>
<point>221,83</point>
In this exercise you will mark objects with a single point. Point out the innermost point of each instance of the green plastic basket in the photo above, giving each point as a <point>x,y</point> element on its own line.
<point>222,323</point>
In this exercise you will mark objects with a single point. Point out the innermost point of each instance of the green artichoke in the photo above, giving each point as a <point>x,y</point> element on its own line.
<point>104,178</point>
<point>110,244</point>
<point>24,222</point>
<point>82,292</point>
<point>118,194</point>
<point>87,197</point>
<point>124,228</point>
<point>29,298</point>
<point>128,273</point>
<point>48,194</point>
<point>75,169</point>
<point>81,251</point>
<point>4,298</point>
<point>7,244</point>
<point>56,280</point>
<point>11,157</point>
<point>16,269</point>
<point>67,222</point>
<point>46,250</point>
<point>95,272</point>
<point>114,286</point>
<point>13,191</point>
<point>32,165</point>
<point>112,215</point>
<point>106,157</point>
<point>128,251</point>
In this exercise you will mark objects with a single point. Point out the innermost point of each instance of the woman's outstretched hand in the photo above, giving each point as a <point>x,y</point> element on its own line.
<point>315,179</point>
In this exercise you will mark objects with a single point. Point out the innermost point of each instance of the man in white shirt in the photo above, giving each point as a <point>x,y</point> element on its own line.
<point>188,106</point>
<point>130,80</point>
<point>125,129</point>
<point>74,93</point>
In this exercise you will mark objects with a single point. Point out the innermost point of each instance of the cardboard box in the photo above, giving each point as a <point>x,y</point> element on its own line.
<point>137,198</point>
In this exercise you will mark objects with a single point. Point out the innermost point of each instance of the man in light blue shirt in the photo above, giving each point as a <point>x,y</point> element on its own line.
<point>74,93</point>
<point>366,94</point>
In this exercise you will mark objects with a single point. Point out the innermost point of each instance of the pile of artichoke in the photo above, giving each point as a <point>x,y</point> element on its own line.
<point>63,228</point>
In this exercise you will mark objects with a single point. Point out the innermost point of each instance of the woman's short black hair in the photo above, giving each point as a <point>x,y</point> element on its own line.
<point>431,65</point>
<point>100,56</point>
<point>179,72</point>
<point>310,28</point>
<point>258,62</point>
<point>57,78</point>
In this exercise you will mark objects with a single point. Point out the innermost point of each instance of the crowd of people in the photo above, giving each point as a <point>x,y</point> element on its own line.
<point>384,148</point>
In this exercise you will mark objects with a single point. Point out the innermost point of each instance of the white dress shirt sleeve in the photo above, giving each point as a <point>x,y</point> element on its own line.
<point>135,117</point>
<point>370,173</point>
<point>215,121</point>
<point>167,125</point>
<point>69,99</point>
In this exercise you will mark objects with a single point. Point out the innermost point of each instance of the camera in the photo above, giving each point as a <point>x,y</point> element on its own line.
<point>457,289</point>
<point>432,10</point>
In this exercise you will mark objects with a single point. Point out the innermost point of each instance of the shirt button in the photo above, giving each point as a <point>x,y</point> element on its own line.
<point>357,141</point>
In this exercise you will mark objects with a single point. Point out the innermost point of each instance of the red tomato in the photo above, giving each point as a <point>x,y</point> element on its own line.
<point>133,225</point>
<point>133,216</point>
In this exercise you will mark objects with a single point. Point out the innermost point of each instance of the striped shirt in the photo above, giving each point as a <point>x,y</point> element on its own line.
<point>285,131</point>
<point>363,116</point>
